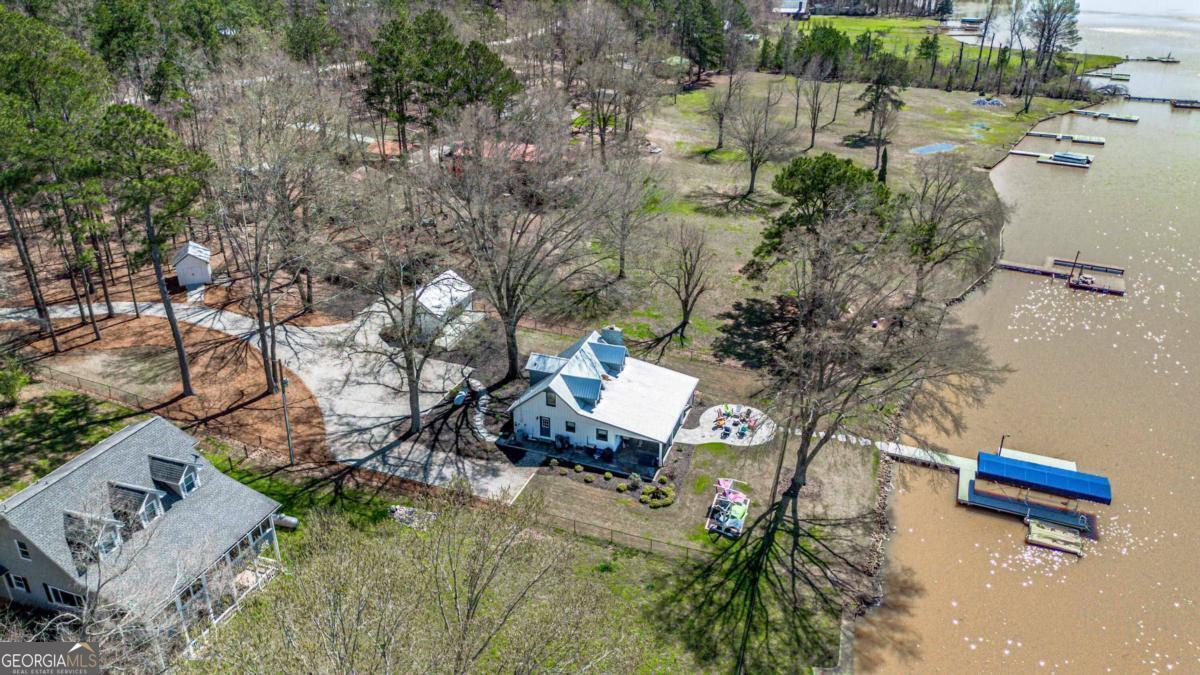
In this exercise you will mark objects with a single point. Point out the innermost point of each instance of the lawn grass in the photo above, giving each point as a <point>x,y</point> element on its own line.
<point>300,498</point>
<point>43,432</point>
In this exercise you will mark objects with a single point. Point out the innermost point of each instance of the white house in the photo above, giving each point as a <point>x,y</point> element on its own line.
<point>191,265</point>
<point>442,300</point>
<point>596,397</point>
<point>791,8</point>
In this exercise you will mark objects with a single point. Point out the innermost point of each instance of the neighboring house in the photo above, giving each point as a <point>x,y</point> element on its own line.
<point>796,9</point>
<point>620,411</point>
<point>442,300</point>
<point>141,523</point>
<point>191,265</point>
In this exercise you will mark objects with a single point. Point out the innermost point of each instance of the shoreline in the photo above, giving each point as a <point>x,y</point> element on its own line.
<point>881,539</point>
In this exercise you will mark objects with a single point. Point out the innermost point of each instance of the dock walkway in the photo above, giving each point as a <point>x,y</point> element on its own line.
<point>1073,138</point>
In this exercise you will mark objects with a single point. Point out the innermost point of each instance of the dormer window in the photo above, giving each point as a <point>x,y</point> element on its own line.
<point>151,510</point>
<point>109,542</point>
<point>189,483</point>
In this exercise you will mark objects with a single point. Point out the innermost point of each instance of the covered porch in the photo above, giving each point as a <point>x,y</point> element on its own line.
<point>633,456</point>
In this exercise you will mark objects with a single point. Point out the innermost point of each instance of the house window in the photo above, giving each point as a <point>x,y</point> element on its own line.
<point>151,511</point>
<point>188,484</point>
<point>60,597</point>
<point>110,541</point>
<point>16,583</point>
<point>544,427</point>
<point>570,427</point>
<point>23,550</point>
<point>602,434</point>
<point>551,399</point>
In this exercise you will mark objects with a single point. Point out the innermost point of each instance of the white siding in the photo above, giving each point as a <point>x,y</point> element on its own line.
<point>525,418</point>
<point>191,271</point>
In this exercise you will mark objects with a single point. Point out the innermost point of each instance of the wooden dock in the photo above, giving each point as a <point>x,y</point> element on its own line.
<point>1110,282</point>
<point>1025,505</point>
<point>1074,138</point>
<point>1186,104</point>
<point>1106,116</point>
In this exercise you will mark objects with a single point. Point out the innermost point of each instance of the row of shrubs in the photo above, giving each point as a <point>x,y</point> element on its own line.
<point>655,496</point>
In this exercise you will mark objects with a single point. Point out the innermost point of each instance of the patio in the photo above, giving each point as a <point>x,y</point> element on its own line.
<point>732,424</point>
<point>535,453</point>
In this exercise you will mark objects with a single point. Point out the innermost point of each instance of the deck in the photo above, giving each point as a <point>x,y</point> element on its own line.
<point>1074,138</point>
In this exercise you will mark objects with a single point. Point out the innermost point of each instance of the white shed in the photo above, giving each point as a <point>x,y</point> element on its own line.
<point>444,298</point>
<point>191,265</point>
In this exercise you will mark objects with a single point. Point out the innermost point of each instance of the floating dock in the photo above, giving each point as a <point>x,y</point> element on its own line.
<point>1056,527</point>
<point>1113,283</point>
<point>1044,158</point>
<point>1048,535</point>
<point>1186,104</point>
<point>1177,103</point>
<point>1115,77</point>
<point>1074,138</point>
<point>1133,119</point>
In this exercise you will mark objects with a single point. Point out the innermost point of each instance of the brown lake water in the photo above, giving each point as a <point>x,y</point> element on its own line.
<point>1110,383</point>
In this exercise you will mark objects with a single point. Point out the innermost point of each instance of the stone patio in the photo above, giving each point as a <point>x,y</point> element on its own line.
<point>706,433</point>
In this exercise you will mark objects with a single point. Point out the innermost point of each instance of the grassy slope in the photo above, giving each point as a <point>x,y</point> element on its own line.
<point>636,579</point>
<point>46,430</point>
<point>900,33</point>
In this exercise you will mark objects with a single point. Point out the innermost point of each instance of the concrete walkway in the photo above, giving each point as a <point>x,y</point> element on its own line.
<point>360,399</point>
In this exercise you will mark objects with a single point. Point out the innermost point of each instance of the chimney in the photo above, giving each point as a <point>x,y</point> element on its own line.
<point>612,335</point>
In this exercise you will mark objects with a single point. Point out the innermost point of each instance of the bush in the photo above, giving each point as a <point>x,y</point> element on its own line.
<point>658,496</point>
<point>590,478</point>
<point>662,480</point>
<point>621,487</point>
<point>607,475</point>
<point>562,471</point>
<point>13,379</point>
<point>635,482</point>
<point>553,462</point>
<point>578,468</point>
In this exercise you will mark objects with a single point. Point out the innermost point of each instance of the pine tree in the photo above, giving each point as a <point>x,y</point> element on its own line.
<point>155,178</point>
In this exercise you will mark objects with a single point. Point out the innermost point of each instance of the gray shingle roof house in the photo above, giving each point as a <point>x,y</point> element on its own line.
<point>142,521</point>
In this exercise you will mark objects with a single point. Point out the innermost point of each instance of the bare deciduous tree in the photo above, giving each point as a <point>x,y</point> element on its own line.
<point>522,205</point>
<point>719,104</point>
<point>479,590</point>
<point>684,271</point>
<point>756,130</point>
<point>952,213</point>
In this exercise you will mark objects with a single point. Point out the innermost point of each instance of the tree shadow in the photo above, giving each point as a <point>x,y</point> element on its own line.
<point>858,140</point>
<point>776,595</point>
<point>884,635</point>
<point>717,202</point>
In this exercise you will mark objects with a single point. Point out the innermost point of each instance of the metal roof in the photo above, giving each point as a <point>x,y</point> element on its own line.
<point>444,292</point>
<point>584,388</point>
<point>1051,479</point>
<point>192,249</point>
<point>611,355</point>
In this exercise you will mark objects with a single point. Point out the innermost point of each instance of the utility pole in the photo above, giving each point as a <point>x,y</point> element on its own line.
<point>287,423</point>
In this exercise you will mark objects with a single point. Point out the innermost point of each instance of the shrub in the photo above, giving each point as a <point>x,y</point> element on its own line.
<point>607,475</point>
<point>635,482</point>
<point>657,496</point>
<point>578,468</point>
<point>13,379</point>
<point>562,471</point>
<point>662,480</point>
<point>621,487</point>
<point>590,478</point>
<point>553,462</point>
